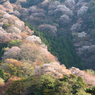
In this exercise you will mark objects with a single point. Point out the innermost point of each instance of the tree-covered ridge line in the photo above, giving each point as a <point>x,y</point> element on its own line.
<point>61,47</point>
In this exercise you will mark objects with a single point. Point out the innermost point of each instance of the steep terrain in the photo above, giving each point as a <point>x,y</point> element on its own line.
<point>26,27</point>
<point>65,17</point>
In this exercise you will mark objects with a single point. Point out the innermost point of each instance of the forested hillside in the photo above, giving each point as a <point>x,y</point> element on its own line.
<point>62,47</point>
<point>47,47</point>
<point>68,18</point>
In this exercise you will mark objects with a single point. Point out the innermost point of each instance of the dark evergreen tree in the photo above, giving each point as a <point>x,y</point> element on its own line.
<point>91,90</point>
<point>2,74</point>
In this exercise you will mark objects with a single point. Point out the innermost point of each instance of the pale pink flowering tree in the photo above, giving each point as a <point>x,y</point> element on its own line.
<point>12,53</point>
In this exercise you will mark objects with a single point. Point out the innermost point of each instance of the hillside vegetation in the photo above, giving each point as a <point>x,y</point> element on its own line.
<point>61,47</point>
<point>47,47</point>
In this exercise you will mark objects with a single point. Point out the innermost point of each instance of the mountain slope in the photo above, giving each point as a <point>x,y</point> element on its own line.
<point>27,67</point>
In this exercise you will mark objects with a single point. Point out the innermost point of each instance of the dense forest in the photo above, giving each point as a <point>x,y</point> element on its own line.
<point>47,47</point>
<point>62,47</point>
<point>47,85</point>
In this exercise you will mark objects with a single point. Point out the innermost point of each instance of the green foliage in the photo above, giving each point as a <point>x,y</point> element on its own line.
<point>66,78</point>
<point>16,88</point>
<point>80,82</point>
<point>61,47</point>
<point>6,25</point>
<point>48,85</point>
<point>90,71</point>
<point>78,85</point>
<point>91,90</point>
<point>44,85</point>
<point>27,69</point>
<point>13,70</point>
<point>79,78</point>
<point>82,93</point>
<point>0,62</point>
<point>2,74</point>
<point>72,76</point>
<point>2,46</point>
<point>14,43</point>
